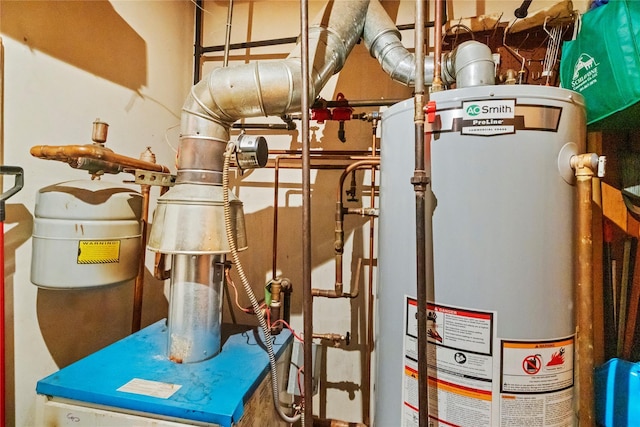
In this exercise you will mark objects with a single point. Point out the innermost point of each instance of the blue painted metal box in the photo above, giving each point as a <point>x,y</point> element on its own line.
<point>135,374</point>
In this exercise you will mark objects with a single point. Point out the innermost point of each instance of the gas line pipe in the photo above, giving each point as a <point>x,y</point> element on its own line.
<point>585,166</point>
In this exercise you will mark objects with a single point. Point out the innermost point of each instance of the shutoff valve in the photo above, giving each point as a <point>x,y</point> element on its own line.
<point>340,113</point>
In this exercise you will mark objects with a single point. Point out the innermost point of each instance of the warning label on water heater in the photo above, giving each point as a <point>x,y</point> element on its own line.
<point>536,386</point>
<point>488,118</point>
<point>537,367</point>
<point>460,366</point>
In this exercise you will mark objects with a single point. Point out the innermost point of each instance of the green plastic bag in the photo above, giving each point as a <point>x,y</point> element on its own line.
<point>603,63</point>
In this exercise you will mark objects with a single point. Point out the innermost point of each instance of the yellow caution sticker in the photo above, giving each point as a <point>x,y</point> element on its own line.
<point>98,251</point>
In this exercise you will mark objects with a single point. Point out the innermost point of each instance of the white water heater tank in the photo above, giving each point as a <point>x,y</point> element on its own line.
<point>85,234</point>
<point>500,314</point>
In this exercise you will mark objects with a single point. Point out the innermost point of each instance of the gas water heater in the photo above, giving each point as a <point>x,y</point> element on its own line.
<point>500,314</point>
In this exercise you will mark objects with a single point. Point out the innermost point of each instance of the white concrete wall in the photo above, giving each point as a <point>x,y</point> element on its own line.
<point>129,63</point>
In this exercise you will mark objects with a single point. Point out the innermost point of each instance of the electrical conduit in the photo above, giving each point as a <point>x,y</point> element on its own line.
<point>247,287</point>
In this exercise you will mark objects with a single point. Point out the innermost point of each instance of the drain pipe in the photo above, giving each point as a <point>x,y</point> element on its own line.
<point>420,182</point>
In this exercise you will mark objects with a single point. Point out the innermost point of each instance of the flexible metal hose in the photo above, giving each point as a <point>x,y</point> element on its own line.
<point>247,287</point>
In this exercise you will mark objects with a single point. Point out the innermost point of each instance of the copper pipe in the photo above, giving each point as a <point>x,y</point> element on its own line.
<point>274,248</point>
<point>436,85</point>
<point>72,153</point>
<point>324,153</point>
<point>370,315</point>
<point>584,166</point>
<point>138,286</point>
<point>317,162</point>
<point>337,291</point>
<point>3,339</point>
<point>277,164</point>
<point>333,337</point>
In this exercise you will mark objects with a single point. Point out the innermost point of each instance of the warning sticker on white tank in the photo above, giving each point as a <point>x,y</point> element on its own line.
<point>98,251</point>
<point>548,410</point>
<point>460,366</point>
<point>537,366</point>
<point>536,386</point>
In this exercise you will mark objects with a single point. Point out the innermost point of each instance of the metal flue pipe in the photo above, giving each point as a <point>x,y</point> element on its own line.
<point>271,88</point>
<point>469,64</point>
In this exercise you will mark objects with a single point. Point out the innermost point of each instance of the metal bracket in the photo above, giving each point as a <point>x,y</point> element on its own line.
<point>145,177</point>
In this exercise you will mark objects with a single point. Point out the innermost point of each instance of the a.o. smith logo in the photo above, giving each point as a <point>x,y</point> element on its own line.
<point>585,72</point>
<point>488,117</point>
<point>473,110</point>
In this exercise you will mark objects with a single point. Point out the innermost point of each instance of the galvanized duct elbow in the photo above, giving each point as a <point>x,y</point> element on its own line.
<point>384,42</point>
<point>268,88</point>
<point>470,64</point>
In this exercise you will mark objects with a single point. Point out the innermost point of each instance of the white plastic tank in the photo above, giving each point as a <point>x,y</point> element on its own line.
<point>85,234</point>
<point>501,321</point>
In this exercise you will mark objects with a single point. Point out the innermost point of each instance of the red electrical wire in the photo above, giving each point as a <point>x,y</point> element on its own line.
<point>235,291</point>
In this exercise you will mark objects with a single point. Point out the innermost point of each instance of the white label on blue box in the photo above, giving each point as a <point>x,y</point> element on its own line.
<point>150,388</point>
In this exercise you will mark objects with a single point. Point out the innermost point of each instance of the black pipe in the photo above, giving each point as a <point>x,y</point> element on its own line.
<point>280,41</point>
<point>420,181</point>
<point>197,44</point>
<point>307,297</point>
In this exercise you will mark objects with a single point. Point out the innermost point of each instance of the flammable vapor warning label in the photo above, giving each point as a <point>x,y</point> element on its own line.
<point>531,367</point>
<point>98,251</point>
